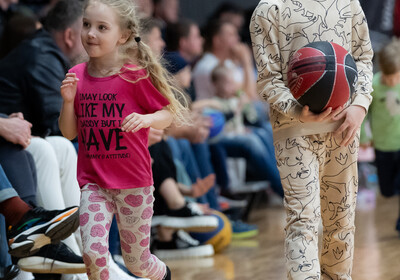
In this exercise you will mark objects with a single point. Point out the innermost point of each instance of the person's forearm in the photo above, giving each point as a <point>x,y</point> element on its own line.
<point>161,119</point>
<point>67,121</point>
<point>249,82</point>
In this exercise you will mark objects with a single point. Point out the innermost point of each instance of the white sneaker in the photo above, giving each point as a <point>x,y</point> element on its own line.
<point>23,275</point>
<point>117,273</point>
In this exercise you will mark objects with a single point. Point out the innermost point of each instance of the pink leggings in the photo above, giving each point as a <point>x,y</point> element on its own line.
<point>133,209</point>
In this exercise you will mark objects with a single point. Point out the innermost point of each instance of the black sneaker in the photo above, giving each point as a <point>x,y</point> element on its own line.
<point>9,272</point>
<point>40,227</point>
<point>190,218</point>
<point>167,274</point>
<point>181,246</point>
<point>53,258</point>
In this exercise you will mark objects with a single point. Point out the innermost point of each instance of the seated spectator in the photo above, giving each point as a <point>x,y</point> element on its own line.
<point>237,140</point>
<point>184,37</point>
<point>166,10</point>
<point>222,45</point>
<point>20,169</point>
<point>232,13</point>
<point>145,8</point>
<point>30,229</point>
<point>151,35</point>
<point>172,212</point>
<point>21,24</point>
<point>31,75</point>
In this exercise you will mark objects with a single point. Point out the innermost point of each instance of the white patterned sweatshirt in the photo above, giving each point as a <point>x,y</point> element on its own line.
<point>280,27</point>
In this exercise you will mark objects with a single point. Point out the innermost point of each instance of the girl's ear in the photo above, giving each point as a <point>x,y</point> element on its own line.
<point>124,37</point>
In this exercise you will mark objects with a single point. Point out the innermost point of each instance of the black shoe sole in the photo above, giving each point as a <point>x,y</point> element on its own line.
<point>56,231</point>
<point>12,272</point>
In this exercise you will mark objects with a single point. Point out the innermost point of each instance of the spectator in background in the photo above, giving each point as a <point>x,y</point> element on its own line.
<point>145,8</point>
<point>184,37</point>
<point>396,19</point>
<point>166,10</point>
<point>40,7</point>
<point>20,25</point>
<point>384,117</point>
<point>31,75</point>
<point>222,45</point>
<point>151,35</point>
<point>232,13</point>
<point>4,9</point>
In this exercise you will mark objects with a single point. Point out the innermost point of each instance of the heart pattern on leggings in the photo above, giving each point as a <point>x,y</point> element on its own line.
<point>134,200</point>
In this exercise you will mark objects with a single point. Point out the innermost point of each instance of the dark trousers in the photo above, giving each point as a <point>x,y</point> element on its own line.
<point>388,165</point>
<point>20,170</point>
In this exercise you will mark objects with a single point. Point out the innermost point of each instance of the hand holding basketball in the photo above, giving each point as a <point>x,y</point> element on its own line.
<point>353,118</point>
<point>328,114</point>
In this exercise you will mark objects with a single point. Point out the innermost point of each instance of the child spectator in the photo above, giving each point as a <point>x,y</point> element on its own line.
<point>384,117</point>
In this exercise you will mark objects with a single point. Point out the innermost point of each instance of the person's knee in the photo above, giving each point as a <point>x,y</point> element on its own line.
<point>41,150</point>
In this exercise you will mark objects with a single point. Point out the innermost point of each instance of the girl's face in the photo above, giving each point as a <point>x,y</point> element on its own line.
<point>101,33</point>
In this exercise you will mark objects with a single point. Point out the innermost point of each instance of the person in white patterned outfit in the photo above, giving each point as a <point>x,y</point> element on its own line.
<point>316,153</point>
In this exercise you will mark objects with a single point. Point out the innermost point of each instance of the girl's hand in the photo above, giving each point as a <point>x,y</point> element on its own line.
<point>353,118</point>
<point>68,87</point>
<point>308,116</point>
<point>134,122</point>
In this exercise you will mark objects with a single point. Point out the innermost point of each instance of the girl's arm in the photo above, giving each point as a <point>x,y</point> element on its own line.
<point>67,120</point>
<point>159,120</point>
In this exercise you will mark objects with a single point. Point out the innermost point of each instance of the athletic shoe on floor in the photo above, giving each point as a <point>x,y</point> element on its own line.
<point>9,272</point>
<point>189,218</point>
<point>24,275</point>
<point>53,258</point>
<point>39,227</point>
<point>398,225</point>
<point>241,230</point>
<point>181,246</point>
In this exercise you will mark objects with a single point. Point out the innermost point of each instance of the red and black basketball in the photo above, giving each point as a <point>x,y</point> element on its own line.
<point>322,75</point>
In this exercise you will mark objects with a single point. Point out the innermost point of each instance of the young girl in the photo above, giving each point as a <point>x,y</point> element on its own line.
<point>110,103</point>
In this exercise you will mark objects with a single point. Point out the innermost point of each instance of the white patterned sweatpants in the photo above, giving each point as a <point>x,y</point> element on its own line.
<point>320,181</point>
<point>133,209</point>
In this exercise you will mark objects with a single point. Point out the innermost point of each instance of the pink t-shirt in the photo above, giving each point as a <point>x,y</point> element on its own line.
<point>107,156</point>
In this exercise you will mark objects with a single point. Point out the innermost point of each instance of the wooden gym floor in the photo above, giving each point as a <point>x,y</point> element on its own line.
<point>377,251</point>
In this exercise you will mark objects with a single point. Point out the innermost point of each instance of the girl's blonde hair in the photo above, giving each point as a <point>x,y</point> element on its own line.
<point>138,52</point>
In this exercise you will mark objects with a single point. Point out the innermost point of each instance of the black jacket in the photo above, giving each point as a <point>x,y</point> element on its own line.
<point>30,80</point>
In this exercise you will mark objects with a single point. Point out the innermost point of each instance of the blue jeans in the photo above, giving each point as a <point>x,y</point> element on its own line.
<point>6,192</point>
<point>260,159</point>
<point>197,160</point>
<point>20,169</point>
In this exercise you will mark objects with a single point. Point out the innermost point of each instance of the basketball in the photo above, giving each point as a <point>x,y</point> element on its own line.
<point>218,121</point>
<point>322,75</point>
<point>219,238</point>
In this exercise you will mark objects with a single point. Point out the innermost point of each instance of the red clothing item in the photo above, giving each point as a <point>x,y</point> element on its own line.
<point>396,19</point>
<point>107,156</point>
